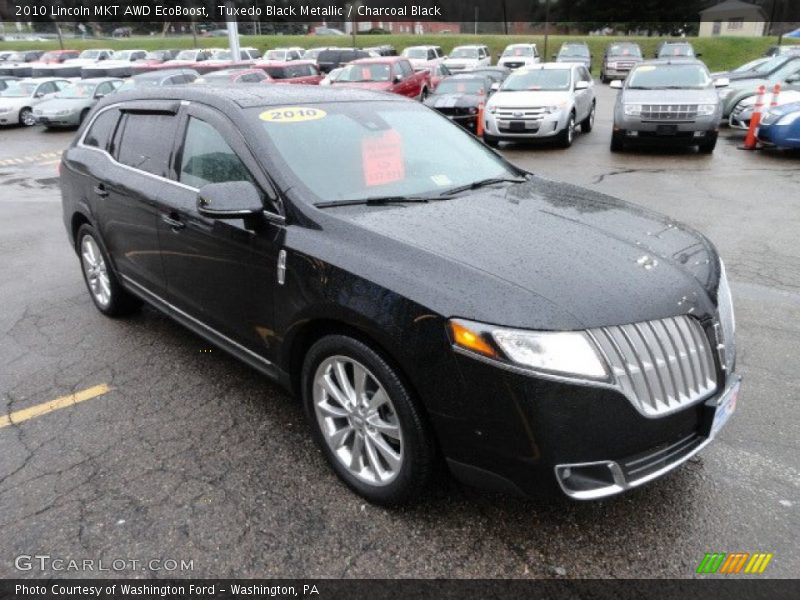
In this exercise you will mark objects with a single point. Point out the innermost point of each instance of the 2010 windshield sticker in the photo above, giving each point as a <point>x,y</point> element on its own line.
<point>292,114</point>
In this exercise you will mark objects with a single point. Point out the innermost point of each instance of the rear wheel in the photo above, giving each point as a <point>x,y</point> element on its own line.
<point>566,137</point>
<point>708,146</point>
<point>491,140</point>
<point>104,288</point>
<point>365,420</point>
<point>26,117</point>
<point>588,123</point>
<point>617,143</point>
<point>423,95</point>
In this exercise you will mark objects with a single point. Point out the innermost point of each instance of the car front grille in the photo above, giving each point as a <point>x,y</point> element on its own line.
<point>520,114</point>
<point>661,366</point>
<point>669,112</point>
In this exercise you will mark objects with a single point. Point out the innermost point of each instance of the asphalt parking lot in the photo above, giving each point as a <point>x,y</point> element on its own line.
<point>188,455</point>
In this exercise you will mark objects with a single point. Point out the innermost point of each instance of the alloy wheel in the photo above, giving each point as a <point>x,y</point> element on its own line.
<point>95,270</point>
<point>571,129</point>
<point>358,420</point>
<point>27,118</point>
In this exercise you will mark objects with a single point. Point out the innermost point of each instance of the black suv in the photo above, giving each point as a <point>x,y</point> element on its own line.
<point>424,298</point>
<point>328,60</point>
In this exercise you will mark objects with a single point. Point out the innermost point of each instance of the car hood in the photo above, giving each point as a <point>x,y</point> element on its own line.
<point>785,109</point>
<point>503,99</point>
<point>537,255</point>
<point>81,62</point>
<point>460,61</point>
<point>364,85</point>
<point>453,100</point>
<point>64,104</point>
<point>704,96</point>
<point>14,102</point>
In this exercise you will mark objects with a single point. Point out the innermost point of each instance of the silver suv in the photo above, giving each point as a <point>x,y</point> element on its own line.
<point>541,102</point>
<point>668,102</point>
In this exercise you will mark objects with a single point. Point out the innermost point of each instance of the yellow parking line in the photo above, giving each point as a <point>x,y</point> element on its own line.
<point>57,404</point>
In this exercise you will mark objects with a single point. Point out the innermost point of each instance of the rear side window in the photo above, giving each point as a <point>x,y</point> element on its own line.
<point>144,142</point>
<point>207,157</point>
<point>102,129</point>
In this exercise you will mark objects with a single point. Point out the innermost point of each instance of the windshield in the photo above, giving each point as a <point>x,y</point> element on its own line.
<point>464,53</point>
<point>518,51</point>
<point>186,55</point>
<point>17,89</point>
<point>548,80</point>
<point>578,50</point>
<point>351,151</point>
<point>138,83</point>
<point>49,56</point>
<point>276,55</point>
<point>123,55</point>
<point>676,50</point>
<point>421,53</point>
<point>16,57</point>
<point>224,55</point>
<point>89,54</point>
<point>157,55</point>
<point>771,64</point>
<point>653,77</point>
<point>750,66</point>
<point>77,90</point>
<point>618,50</point>
<point>373,72</point>
<point>461,86</point>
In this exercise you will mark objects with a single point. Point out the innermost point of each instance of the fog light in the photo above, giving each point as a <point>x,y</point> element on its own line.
<point>632,133</point>
<point>699,134</point>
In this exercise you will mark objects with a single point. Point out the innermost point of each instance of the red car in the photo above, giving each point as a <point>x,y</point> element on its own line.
<point>296,71</point>
<point>387,74</point>
<point>436,71</point>
<point>57,56</point>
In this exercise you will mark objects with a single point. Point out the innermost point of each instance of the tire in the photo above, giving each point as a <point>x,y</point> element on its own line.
<point>603,78</point>
<point>491,141</point>
<point>708,147</point>
<point>82,118</point>
<point>108,295</point>
<point>588,123</point>
<point>617,143</point>
<point>566,137</point>
<point>389,463</point>
<point>26,118</point>
<point>423,94</point>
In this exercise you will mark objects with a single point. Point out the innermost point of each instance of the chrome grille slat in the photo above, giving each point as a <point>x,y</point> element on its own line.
<point>669,112</point>
<point>661,366</point>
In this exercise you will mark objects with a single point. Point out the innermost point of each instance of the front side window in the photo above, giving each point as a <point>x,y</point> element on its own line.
<point>207,157</point>
<point>142,143</point>
<point>102,129</point>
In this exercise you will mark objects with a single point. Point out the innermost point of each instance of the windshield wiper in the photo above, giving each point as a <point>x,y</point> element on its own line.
<point>374,201</point>
<point>482,183</point>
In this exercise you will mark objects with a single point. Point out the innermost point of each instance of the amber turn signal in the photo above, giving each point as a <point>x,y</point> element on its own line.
<point>466,338</point>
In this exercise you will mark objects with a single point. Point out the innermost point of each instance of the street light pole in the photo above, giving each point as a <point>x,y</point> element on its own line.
<point>233,35</point>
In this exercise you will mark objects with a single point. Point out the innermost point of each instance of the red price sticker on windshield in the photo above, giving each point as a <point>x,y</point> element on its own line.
<point>382,157</point>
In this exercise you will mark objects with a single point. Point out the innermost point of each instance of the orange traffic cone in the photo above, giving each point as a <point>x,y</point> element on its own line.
<point>750,141</point>
<point>775,93</point>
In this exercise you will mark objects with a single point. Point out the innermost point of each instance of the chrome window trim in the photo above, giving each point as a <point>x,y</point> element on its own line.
<point>272,216</point>
<point>185,315</point>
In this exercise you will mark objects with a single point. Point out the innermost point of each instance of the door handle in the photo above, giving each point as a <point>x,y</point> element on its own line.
<point>173,221</point>
<point>101,190</point>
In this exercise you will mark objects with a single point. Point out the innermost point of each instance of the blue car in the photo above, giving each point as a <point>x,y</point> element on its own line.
<point>780,126</point>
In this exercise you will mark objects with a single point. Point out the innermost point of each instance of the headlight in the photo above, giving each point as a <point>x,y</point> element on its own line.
<point>492,110</point>
<point>727,321</point>
<point>561,353</point>
<point>769,117</point>
<point>706,109</point>
<point>633,110</point>
<point>789,119</point>
<point>724,93</point>
<point>473,110</point>
<point>612,65</point>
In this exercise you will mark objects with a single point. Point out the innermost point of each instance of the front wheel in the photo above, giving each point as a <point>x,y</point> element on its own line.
<point>617,143</point>
<point>491,141</point>
<point>365,420</point>
<point>423,94</point>
<point>588,123</point>
<point>708,146</point>
<point>26,118</point>
<point>566,137</point>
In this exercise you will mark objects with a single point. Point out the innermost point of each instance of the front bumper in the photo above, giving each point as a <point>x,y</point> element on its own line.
<point>545,127</point>
<point>777,135</point>
<point>635,130</point>
<point>519,432</point>
<point>9,118</point>
<point>616,73</point>
<point>71,120</point>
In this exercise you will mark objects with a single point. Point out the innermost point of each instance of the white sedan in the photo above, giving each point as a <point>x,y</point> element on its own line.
<point>19,98</point>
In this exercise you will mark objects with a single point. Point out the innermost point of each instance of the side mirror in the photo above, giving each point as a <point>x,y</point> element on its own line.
<point>793,78</point>
<point>398,78</point>
<point>698,54</point>
<point>38,95</point>
<point>98,96</point>
<point>229,200</point>
<point>581,85</point>
<point>616,84</point>
<point>722,82</point>
<point>495,87</point>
